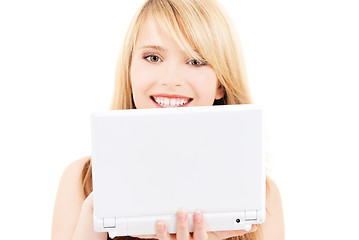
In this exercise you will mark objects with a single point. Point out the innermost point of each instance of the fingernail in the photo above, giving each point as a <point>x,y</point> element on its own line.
<point>197,217</point>
<point>181,215</point>
<point>160,227</point>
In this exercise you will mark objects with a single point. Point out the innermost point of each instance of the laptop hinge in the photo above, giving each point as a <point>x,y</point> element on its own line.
<point>109,223</point>
<point>251,215</point>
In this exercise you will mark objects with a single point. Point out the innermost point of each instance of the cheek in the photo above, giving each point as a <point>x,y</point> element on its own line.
<point>205,83</point>
<point>140,77</point>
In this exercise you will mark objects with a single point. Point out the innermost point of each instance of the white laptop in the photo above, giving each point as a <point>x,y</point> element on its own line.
<point>149,163</point>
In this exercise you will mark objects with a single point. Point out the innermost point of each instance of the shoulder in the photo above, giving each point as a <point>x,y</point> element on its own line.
<point>75,168</point>
<point>71,176</point>
<point>69,198</point>
<point>273,194</point>
<point>71,179</point>
<point>273,227</point>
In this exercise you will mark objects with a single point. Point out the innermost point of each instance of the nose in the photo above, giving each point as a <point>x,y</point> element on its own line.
<point>171,75</point>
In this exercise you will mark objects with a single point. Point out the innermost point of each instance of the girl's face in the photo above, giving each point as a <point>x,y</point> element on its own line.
<point>162,75</point>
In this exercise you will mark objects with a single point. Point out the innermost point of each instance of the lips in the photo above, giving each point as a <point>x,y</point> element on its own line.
<point>167,101</point>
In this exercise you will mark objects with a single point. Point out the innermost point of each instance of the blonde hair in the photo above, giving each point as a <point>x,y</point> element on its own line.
<point>204,32</point>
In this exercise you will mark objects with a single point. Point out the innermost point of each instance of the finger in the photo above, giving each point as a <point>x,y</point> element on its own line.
<point>254,228</point>
<point>161,231</point>
<point>182,232</point>
<point>199,226</point>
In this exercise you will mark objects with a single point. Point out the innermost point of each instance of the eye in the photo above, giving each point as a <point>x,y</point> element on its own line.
<point>196,63</point>
<point>153,58</point>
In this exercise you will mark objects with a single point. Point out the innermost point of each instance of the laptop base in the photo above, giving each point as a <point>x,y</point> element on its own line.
<point>146,225</point>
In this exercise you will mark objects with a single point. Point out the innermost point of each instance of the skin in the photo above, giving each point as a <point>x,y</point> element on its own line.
<point>159,67</point>
<point>170,72</point>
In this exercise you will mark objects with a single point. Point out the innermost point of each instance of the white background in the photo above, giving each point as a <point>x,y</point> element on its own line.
<point>57,63</point>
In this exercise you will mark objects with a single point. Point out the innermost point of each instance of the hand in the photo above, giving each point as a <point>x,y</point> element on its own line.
<point>199,229</point>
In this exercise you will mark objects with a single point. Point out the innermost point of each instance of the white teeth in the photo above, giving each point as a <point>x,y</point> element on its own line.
<point>170,102</point>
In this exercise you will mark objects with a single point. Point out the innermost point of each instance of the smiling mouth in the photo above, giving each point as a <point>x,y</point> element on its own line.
<point>170,102</point>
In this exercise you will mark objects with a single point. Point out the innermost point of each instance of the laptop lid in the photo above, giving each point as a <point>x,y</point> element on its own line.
<point>148,163</point>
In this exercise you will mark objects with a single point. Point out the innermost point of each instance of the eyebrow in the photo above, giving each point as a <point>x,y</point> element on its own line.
<point>161,49</point>
<point>155,47</point>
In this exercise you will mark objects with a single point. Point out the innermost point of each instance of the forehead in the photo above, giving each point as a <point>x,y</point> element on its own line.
<point>154,33</point>
<point>151,33</point>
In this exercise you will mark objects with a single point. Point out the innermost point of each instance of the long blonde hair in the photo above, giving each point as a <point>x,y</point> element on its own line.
<point>204,32</point>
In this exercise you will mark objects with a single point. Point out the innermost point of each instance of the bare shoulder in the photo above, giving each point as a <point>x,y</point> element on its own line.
<point>71,178</point>
<point>74,169</point>
<point>76,165</point>
<point>273,227</point>
<point>273,194</point>
<point>69,199</point>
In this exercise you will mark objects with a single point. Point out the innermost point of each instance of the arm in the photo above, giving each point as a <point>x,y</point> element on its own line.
<point>72,217</point>
<point>273,227</point>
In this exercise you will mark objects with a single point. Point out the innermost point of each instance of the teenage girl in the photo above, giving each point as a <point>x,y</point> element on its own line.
<point>177,53</point>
